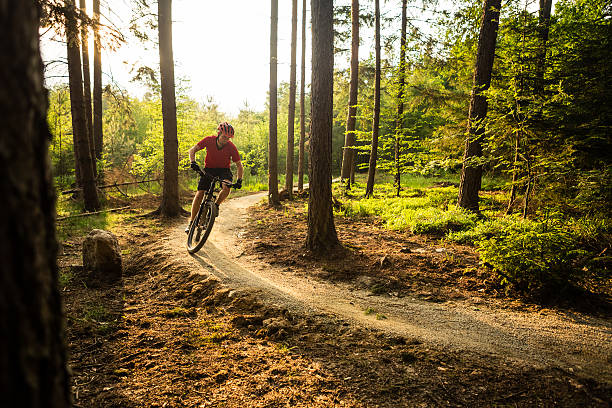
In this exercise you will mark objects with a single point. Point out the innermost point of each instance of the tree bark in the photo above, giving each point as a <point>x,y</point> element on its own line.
<point>321,229</point>
<point>302,103</point>
<point>33,361</point>
<point>87,87</point>
<point>349,139</point>
<point>273,198</point>
<point>291,115</point>
<point>97,84</point>
<point>543,30</point>
<point>375,121</point>
<point>79,126</point>
<point>400,100</point>
<point>471,173</point>
<point>170,196</point>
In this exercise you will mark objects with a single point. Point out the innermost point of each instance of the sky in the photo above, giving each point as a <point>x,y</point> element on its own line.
<point>221,47</point>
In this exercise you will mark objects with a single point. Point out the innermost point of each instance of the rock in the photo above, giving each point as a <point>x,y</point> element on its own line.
<point>102,257</point>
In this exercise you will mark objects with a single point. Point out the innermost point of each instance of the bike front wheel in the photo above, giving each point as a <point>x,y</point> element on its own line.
<point>201,227</point>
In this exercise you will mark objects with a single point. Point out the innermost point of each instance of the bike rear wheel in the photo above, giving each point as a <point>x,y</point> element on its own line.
<point>201,227</point>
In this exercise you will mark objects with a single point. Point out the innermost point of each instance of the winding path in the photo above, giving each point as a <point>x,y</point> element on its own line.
<point>577,343</point>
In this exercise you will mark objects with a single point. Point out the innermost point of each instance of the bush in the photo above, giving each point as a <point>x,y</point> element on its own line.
<point>534,256</point>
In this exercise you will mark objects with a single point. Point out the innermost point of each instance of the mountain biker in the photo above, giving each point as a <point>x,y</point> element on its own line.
<point>219,151</point>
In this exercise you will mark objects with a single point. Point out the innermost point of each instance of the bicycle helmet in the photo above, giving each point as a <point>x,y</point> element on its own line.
<point>226,128</point>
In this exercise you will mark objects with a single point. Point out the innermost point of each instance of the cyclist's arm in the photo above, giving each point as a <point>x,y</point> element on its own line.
<point>193,151</point>
<point>239,169</point>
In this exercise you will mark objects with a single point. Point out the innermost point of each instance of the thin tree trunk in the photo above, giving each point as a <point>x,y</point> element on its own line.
<point>543,29</point>
<point>79,127</point>
<point>321,229</point>
<point>170,196</point>
<point>273,198</point>
<point>291,115</point>
<point>33,359</point>
<point>400,101</point>
<point>302,103</point>
<point>375,121</point>
<point>519,110</point>
<point>97,84</point>
<point>517,142</point>
<point>529,186</point>
<point>349,138</point>
<point>87,87</point>
<point>471,173</point>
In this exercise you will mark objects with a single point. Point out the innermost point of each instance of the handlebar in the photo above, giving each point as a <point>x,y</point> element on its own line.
<point>214,178</point>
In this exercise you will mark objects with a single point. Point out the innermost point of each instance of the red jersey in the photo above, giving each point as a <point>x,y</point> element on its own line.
<point>218,158</point>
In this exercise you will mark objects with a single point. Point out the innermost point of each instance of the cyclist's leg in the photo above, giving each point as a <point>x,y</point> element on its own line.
<point>225,175</point>
<point>223,193</point>
<point>195,205</point>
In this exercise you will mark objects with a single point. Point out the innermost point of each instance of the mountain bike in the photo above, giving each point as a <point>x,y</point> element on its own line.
<point>202,224</point>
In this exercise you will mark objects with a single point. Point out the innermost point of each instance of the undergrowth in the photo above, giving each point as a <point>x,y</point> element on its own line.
<point>548,252</point>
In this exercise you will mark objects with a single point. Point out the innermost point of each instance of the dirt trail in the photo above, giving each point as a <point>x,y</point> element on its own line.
<point>577,343</point>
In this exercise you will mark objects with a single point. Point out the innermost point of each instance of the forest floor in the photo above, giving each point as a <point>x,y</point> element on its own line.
<point>253,320</point>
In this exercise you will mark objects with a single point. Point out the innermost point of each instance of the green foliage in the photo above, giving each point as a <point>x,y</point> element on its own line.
<point>549,252</point>
<point>420,210</point>
<point>535,256</point>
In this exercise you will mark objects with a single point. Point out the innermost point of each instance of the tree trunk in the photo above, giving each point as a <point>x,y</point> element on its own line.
<point>517,144</point>
<point>349,138</point>
<point>400,100</point>
<point>87,88</point>
<point>529,186</point>
<point>302,103</point>
<point>375,121</point>
<point>79,126</point>
<point>33,360</point>
<point>543,29</point>
<point>519,117</point>
<point>471,173</point>
<point>97,84</point>
<point>321,229</point>
<point>170,196</point>
<point>291,115</point>
<point>273,198</point>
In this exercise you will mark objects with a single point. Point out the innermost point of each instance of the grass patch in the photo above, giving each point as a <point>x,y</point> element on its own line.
<point>547,252</point>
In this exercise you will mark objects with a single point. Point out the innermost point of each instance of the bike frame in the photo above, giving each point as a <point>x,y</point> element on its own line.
<point>198,228</point>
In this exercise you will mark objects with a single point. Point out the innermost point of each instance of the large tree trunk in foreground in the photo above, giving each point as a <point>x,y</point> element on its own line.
<point>375,121</point>
<point>33,370</point>
<point>79,126</point>
<point>321,229</point>
<point>348,155</point>
<point>170,196</point>
<point>302,103</point>
<point>471,173</point>
<point>97,84</point>
<point>291,115</point>
<point>87,88</point>
<point>400,101</point>
<point>273,198</point>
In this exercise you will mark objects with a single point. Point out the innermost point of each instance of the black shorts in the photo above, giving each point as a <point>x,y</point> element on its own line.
<point>223,173</point>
